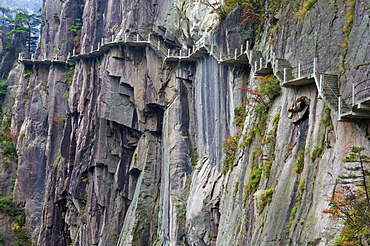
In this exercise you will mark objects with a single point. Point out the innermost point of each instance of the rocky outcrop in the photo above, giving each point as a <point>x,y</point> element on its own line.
<point>124,148</point>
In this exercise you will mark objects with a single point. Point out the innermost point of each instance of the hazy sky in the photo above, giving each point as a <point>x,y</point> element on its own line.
<point>30,5</point>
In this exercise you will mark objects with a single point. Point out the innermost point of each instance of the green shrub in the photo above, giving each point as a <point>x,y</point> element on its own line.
<point>6,205</point>
<point>240,114</point>
<point>327,123</point>
<point>230,147</point>
<point>293,213</point>
<point>298,167</point>
<point>269,87</point>
<point>254,180</point>
<point>307,5</point>
<point>351,204</point>
<point>266,199</point>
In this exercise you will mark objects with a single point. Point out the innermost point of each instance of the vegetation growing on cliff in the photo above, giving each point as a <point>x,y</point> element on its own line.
<point>350,204</point>
<point>19,231</point>
<point>350,13</point>
<point>266,199</point>
<point>76,30</point>
<point>307,5</point>
<point>259,101</point>
<point>327,123</point>
<point>24,24</point>
<point>9,154</point>
<point>7,143</point>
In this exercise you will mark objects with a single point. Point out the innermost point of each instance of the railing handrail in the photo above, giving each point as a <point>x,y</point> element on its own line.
<point>301,65</point>
<point>160,46</point>
<point>358,84</point>
<point>172,53</point>
<point>330,95</point>
<point>365,89</point>
<point>330,88</point>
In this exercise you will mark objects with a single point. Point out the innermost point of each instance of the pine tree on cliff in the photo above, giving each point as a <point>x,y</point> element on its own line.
<point>27,25</point>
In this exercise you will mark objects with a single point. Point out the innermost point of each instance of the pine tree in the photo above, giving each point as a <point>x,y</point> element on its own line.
<point>25,24</point>
<point>350,203</point>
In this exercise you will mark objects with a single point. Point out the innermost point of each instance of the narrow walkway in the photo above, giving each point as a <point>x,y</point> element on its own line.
<point>355,106</point>
<point>301,75</point>
<point>160,47</point>
<point>30,59</point>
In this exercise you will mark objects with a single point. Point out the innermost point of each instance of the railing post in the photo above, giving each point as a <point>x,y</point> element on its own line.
<point>159,45</point>
<point>211,49</point>
<point>247,46</point>
<point>168,52</point>
<point>112,38</point>
<point>180,52</point>
<point>353,95</point>
<point>250,56</point>
<point>260,63</point>
<point>137,37</point>
<point>339,107</point>
<point>102,41</point>
<point>125,37</point>
<point>97,48</point>
<point>299,70</point>
<point>149,38</point>
<point>92,49</point>
<point>320,87</point>
<point>236,51</point>
<point>68,56</point>
<point>276,66</point>
<point>255,66</point>
<point>314,65</point>
<point>284,75</point>
<point>241,49</point>
<point>74,51</point>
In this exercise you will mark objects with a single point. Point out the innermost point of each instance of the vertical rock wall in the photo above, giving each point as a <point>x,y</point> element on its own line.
<point>126,149</point>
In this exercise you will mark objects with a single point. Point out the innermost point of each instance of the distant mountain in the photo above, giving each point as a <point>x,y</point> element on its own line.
<point>30,6</point>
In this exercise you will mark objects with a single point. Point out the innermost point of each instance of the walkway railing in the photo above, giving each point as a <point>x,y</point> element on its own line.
<point>360,92</point>
<point>280,67</point>
<point>281,71</point>
<point>302,70</point>
<point>343,105</point>
<point>161,48</point>
<point>327,90</point>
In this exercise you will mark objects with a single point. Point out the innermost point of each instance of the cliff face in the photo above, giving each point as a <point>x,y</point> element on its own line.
<point>123,145</point>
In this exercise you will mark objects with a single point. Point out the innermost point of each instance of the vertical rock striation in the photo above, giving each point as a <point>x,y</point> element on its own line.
<point>122,147</point>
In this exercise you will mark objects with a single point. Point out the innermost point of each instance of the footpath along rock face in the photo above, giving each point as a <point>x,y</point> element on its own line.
<point>125,148</point>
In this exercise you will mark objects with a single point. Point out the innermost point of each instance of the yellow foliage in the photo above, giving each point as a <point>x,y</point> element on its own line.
<point>15,227</point>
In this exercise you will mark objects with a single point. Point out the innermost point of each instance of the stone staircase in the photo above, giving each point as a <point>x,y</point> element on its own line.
<point>329,90</point>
